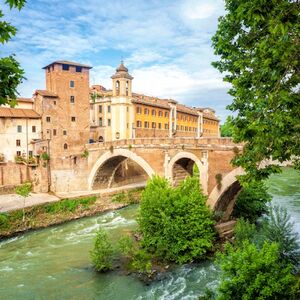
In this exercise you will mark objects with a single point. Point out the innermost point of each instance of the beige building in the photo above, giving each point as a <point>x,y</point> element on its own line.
<point>19,128</point>
<point>121,114</point>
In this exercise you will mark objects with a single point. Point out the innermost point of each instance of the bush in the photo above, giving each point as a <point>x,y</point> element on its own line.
<point>244,230</point>
<point>4,221</point>
<point>176,224</point>
<point>251,273</point>
<point>138,259</point>
<point>252,201</point>
<point>102,253</point>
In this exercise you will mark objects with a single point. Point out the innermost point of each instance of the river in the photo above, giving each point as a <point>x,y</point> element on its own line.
<point>54,263</point>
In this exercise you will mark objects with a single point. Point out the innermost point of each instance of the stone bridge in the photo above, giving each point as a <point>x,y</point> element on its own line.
<point>131,162</point>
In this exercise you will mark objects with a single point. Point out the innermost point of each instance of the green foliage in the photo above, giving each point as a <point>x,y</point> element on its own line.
<point>252,201</point>
<point>219,178</point>
<point>85,153</point>
<point>258,45</point>
<point>139,259</point>
<point>45,156</point>
<point>11,74</point>
<point>68,205</point>
<point>127,197</point>
<point>249,273</point>
<point>243,231</point>
<point>13,220</point>
<point>102,253</point>
<point>279,228</point>
<point>24,189</point>
<point>226,128</point>
<point>176,224</point>
<point>4,221</point>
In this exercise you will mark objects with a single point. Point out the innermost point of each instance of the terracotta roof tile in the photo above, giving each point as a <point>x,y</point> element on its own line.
<point>45,93</point>
<point>151,101</point>
<point>6,112</point>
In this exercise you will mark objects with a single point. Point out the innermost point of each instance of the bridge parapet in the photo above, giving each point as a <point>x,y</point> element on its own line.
<point>204,143</point>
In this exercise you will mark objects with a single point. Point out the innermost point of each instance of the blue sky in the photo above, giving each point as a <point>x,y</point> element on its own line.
<point>165,44</point>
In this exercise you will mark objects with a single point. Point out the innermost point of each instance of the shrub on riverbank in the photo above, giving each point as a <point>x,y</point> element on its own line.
<point>43,215</point>
<point>175,223</point>
<point>252,201</point>
<point>252,273</point>
<point>102,253</point>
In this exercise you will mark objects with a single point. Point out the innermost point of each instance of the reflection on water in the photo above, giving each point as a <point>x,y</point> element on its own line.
<point>53,263</point>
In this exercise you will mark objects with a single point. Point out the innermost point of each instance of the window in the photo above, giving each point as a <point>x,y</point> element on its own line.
<point>54,132</point>
<point>73,119</point>
<point>108,122</point>
<point>19,128</point>
<point>30,154</point>
<point>153,125</point>
<point>72,99</point>
<point>18,143</point>
<point>100,109</point>
<point>108,108</point>
<point>48,119</point>
<point>18,153</point>
<point>64,132</point>
<point>65,67</point>
<point>159,125</point>
<point>166,114</point>
<point>146,124</point>
<point>78,69</point>
<point>160,113</point>
<point>72,83</point>
<point>127,109</point>
<point>139,124</point>
<point>54,102</point>
<point>65,146</point>
<point>138,110</point>
<point>166,126</point>
<point>146,111</point>
<point>117,87</point>
<point>100,122</point>
<point>153,112</point>
<point>33,129</point>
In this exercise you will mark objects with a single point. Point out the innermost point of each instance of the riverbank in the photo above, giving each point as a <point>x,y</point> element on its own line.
<point>61,211</point>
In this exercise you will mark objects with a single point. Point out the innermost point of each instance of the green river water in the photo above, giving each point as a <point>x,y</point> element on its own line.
<point>54,263</point>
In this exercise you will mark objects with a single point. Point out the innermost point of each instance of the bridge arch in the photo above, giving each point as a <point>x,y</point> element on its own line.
<point>223,198</point>
<point>184,161</point>
<point>117,157</point>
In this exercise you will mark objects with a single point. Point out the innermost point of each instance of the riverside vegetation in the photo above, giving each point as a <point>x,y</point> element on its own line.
<point>166,232</point>
<point>44,215</point>
<point>261,262</point>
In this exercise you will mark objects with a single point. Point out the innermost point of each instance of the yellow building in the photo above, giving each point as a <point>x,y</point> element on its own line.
<point>121,114</point>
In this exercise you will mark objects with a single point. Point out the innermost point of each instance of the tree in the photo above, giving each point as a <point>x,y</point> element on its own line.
<point>279,228</point>
<point>24,191</point>
<point>226,128</point>
<point>251,273</point>
<point>259,48</point>
<point>11,74</point>
<point>176,224</point>
<point>102,253</point>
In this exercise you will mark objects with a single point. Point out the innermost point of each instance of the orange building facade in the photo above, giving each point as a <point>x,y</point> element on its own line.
<point>121,114</point>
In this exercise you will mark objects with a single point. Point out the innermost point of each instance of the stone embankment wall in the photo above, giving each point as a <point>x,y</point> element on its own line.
<point>13,174</point>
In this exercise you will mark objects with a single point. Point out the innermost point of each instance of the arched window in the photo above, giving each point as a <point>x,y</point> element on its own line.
<point>126,88</point>
<point>65,146</point>
<point>117,87</point>
<point>101,139</point>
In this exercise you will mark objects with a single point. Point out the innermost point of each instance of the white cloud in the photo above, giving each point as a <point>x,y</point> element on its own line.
<point>197,11</point>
